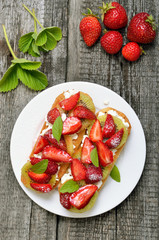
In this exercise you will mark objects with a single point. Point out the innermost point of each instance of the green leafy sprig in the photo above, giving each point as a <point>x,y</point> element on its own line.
<point>69,186</point>
<point>46,40</point>
<point>24,70</point>
<point>40,167</point>
<point>115,174</point>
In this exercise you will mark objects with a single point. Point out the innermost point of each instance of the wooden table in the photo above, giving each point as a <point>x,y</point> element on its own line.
<point>137,217</point>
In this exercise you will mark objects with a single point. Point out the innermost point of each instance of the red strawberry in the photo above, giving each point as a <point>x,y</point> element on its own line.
<point>112,42</point>
<point>65,200</point>
<point>55,154</point>
<point>96,132</point>
<point>109,127</point>
<point>35,160</point>
<point>83,112</point>
<point>132,51</point>
<point>39,177</point>
<point>115,140</point>
<point>52,115</point>
<point>40,144</point>
<point>93,174</point>
<point>104,154</point>
<point>141,28</point>
<point>69,103</point>
<point>90,28</point>
<point>52,167</point>
<point>61,144</point>
<point>41,187</point>
<point>82,196</point>
<point>71,125</point>
<point>86,151</point>
<point>78,170</point>
<point>114,15</point>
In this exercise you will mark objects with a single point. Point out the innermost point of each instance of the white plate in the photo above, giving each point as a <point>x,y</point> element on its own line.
<point>130,163</point>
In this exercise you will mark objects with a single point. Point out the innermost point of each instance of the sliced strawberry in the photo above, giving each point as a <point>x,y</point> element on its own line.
<point>86,151</point>
<point>83,112</point>
<point>69,103</point>
<point>61,144</point>
<point>65,200</point>
<point>104,154</point>
<point>52,168</point>
<point>93,174</point>
<point>35,160</point>
<point>41,187</point>
<point>115,140</point>
<point>82,196</point>
<point>96,132</point>
<point>78,170</point>
<point>55,154</point>
<point>71,125</point>
<point>52,115</point>
<point>109,127</point>
<point>39,177</point>
<point>40,144</point>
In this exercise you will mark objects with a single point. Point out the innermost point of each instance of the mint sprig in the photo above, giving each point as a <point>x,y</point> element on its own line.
<point>57,128</point>
<point>24,70</point>
<point>69,186</point>
<point>94,157</point>
<point>40,167</point>
<point>115,174</point>
<point>47,39</point>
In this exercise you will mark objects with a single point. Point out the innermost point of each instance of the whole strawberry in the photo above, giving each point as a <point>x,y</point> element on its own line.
<point>114,15</point>
<point>141,28</point>
<point>90,28</point>
<point>132,51</point>
<point>112,42</point>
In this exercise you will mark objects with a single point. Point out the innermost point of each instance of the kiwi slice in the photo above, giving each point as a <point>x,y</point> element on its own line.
<point>85,124</point>
<point>106,171</point>
<point>24,175</point>
<point>81,183</point>
<point>102,119</point>
<point>77,154</point>
<point>52,180</point>
<point>86,101</point>
<point>88,206</point>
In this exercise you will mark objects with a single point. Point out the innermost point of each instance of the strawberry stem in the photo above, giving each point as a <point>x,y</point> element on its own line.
<point>105,8</point>
<point>33,16</point>
<point>151,21</point>
<point>8,44</point>
<point>35,28</point>
<point>90,13</point>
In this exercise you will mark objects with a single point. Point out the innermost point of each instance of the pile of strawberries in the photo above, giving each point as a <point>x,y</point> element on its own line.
<point>141,29</point>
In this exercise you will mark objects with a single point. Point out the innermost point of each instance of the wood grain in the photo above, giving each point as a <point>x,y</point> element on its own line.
<point>137,218</point>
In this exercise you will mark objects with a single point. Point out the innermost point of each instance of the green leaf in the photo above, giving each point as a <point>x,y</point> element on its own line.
<point>31,52</point>
<point>41,38</point>
<point>9,80</point>
<point>57,128</point>
<point>40,167</point>
<point>70,187</point>
<point>94,157</point>
<point>34,35</point>
<point>56,32</point>
<point>25,42</point>
<point>51,42</point>
<point>115,174</point>
<point>43,49</point>
<point>34,79</point>
<point>26,64</point>
<point>35,48</point>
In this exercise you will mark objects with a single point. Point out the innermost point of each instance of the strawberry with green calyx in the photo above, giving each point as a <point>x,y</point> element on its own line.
<point>142,28</point>
<point>132,51</point>
<point>90,28</point>
<point>113,15</point>
<point>112,41</point>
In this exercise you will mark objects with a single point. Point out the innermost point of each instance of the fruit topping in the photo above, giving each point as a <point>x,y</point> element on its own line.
<point>52,168</point>
<point>71,125</point>
<point>86,151</point>
<point>61,144</point>
<point>109,127</point>
<point>115,140</point>
<point>55,154</point>
<point>35,160</point>
<point>83,112</point>
<point>78,170</point>
<point>82,196</point>
<point>86,101</point>
<point>69,103</point>
<point>40,144</point>
<point>104,154</point>
<point>41,187</point>
<point>65,200</point>
<point>39,177</point>
<point>96,132</point>
<point>93,174</point>
<point>52,115</point>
